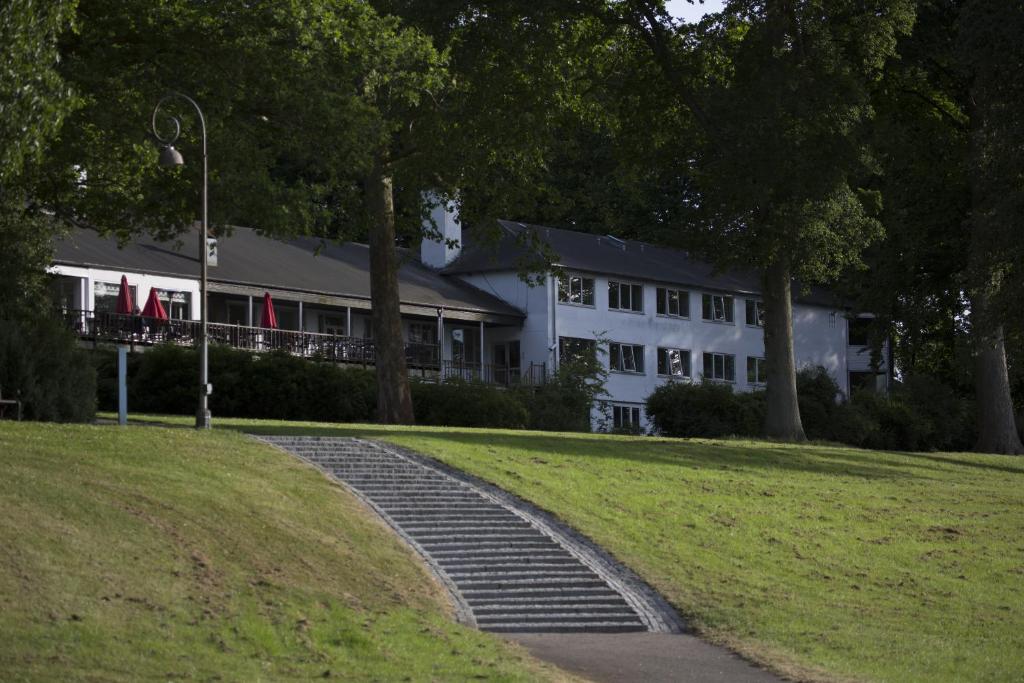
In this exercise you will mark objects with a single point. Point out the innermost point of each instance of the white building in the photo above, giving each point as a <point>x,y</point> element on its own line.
<point>663,316</point>
<point>660,315</point>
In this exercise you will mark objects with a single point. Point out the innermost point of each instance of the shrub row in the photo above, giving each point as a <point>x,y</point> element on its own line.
<point>920,414</point>
<point>42,366</point>
<point>279,386</point>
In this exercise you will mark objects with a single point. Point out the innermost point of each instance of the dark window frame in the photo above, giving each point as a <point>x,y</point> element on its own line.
<point>725,361</point>
<point>625,290</point>
<point>709,309</point>
<point>616,358</point>
<point>663,305</point>
<point>573,285</point>
<point>755,311</point>
<point>664,361</point>
<point>759,370</point>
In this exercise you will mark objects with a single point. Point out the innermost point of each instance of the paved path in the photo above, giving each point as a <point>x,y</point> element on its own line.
<point>642,657</point>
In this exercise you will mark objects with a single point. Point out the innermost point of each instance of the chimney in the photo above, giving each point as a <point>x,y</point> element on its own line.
<point>435,249</point>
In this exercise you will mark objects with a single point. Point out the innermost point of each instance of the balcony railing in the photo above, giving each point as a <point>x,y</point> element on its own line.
<point>423,360</point>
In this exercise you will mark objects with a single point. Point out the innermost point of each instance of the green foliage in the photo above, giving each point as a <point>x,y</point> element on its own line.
<point>41,364</point>
<point>33,98</point>
<point>707,409</point>
<point>458,403</point>
<point>920,414</point>
<point>164,379</point>
<point>564,403</point>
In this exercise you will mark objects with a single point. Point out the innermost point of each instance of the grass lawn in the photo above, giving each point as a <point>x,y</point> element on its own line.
<point>824,562</point>
<point>165,554</point>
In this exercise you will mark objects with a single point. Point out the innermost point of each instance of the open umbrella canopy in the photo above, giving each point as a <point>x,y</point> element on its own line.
<point>268,318</point>
<point>153,308</point>
<point>125,305</point>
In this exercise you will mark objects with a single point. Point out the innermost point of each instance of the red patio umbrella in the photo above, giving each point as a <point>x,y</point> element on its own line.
<point>268,318</point>
<point>125,305</point>
<point>154,308</point>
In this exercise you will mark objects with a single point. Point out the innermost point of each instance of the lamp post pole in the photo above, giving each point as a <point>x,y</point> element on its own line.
<point>169,156</point>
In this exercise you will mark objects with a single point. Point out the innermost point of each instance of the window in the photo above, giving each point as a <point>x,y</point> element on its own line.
<point>673,362</point>
<point>717,308</point>
<point>572,349</point>
<point>105,296</point>
<point>720,366</point>
<point>423,333</point>
<point>177,304</point>
<point>858,331</point>
<point>623,297</point>
<point>238,312</point>
<point>576,289</point>
<point>626,357</point>
<point>465,346</point>
<point>674,302</point>
<point>626,418</point>
<point>755,313</point>
<point>756,371</point>
<point>332,324</point>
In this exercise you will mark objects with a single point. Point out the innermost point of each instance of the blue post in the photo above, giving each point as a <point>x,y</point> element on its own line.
<point>122,385</point>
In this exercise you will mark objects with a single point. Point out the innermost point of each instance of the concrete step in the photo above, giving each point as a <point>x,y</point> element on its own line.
<point>478,520</point>
<point>476,595</point>
<point>563,627</point>
<point>467,538</point>
<point>562,617</point>
<point>531,576</point>
<point>540,544</point>
<point>505,564</point>
<point>476,569</point>
<point>529,583</point>
<point>593,607</point>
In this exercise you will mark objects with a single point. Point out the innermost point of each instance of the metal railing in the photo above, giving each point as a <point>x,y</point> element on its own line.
<point>503,375</point>
<point>423,360</point>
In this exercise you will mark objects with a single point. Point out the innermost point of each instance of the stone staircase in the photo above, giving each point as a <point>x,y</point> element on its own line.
<point>509,574</point>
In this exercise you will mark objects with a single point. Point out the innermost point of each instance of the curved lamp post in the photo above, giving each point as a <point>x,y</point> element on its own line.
<point>169,156</point>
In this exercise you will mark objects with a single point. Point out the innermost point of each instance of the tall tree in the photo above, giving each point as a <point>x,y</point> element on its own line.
<point>992,54</point>
<point>781,92</point>
<point>34,101</point>
<point>946,280</point>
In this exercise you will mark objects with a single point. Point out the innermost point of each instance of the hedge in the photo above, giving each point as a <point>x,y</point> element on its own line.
<point>163,379</point>
<point>42,366</point>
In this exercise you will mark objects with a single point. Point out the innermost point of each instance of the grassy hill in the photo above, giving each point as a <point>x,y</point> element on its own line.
<point>165,554</point>
<point>825,562</point>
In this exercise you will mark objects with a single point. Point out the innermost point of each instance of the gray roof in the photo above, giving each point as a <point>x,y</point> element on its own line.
<point>247,258</point>
<point>605,255</point>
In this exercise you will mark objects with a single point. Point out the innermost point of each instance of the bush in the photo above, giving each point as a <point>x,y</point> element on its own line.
<point>920,414</point>
<point>164,379</point>
<point>42,365</point>
<point>707,409</point>
<point>565,401</point>
<point>817,395</point>
<point>457,403</point>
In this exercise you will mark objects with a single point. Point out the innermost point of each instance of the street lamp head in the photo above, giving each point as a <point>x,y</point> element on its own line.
<point>171,157</point>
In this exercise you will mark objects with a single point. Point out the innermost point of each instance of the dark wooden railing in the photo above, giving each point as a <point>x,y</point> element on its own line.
<point>423,360</point>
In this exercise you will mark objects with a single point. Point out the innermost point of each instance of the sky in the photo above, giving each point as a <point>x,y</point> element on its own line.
<point>680,9</point>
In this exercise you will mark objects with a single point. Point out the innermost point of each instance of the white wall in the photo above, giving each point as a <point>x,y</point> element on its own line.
<point>535,336</point>
<point>819,333</point>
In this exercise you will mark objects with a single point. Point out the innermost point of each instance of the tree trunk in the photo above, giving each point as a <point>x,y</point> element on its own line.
<point>782,418</point>
<point>394,399</point>
<point>997,428</point>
